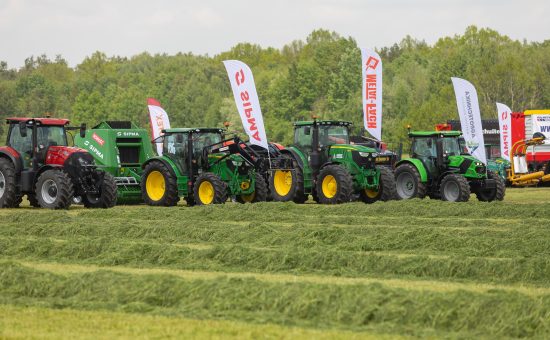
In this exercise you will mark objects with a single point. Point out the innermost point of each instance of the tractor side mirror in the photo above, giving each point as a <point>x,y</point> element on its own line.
<point>83,130</point>
<point>23,129</point>
<point>307,130</point>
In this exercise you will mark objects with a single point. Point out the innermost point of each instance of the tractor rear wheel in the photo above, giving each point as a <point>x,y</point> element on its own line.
<point>107,194</point>
<point>386,188</point>
<point>259,194</point>
<point>54,189</point>
<point>284,184</point>
<point>408,182</point>
<point>8,194</point>
<point>497,193</point>
<point>209,189</point>
<point>334,185</point>
<point>159,186</point>
<point>454,188</point>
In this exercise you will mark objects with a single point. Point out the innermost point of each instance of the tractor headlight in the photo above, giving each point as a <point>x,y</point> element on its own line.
<point>478,163</point>
<point>365,154</point>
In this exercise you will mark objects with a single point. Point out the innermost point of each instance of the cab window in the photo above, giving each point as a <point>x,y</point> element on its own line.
<point>302,140</point>
<point>23,145</point>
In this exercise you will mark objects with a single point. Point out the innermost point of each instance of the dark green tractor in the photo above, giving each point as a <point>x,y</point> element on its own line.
<point>439,168</point>
<point>200,166</point>
<point>328,167</point>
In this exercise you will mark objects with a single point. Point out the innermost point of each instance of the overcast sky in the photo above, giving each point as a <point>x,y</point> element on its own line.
<point>75,28</point>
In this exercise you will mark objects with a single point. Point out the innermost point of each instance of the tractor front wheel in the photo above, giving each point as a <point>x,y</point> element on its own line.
<point>497,193</point>
<point>107,194</point>
<point>159,186</point>
<point>8,194</point>
<point>408,182</point>
<point>259,194</point>
<point>334,185</point>
<point>54,189</point>
<point>455,188</point>
<point>386,188</point>
<point>209,189</point>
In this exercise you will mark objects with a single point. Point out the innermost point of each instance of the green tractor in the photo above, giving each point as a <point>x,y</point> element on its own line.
<point>198,165</point>
<point>439,168</point>
<point>328,167</point>
<point>119,148</point>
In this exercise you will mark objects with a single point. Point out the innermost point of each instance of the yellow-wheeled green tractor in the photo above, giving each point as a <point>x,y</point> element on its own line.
<point>439,168</point>
<point>119,148</point>
<point>198,165</point>
<point>328,167</point>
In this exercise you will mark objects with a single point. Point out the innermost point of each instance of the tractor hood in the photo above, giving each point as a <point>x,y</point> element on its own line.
<point>359,148</point>
<point>469,166</point>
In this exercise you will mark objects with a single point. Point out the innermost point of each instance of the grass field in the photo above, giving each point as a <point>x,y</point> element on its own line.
<point>399,269</point>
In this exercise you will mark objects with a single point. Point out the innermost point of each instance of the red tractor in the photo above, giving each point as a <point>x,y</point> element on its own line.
<point>38,162</point>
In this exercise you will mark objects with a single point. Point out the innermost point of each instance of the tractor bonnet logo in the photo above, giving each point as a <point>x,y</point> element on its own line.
<point>98,139</point>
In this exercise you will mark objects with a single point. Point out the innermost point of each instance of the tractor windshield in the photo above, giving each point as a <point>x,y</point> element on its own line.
<point>47,136</point>
<point>451,146</point>
<point>333,134</point>
<point>202,139</point>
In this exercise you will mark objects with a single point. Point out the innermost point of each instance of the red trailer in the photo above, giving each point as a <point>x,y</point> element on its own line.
<point>524,125</point>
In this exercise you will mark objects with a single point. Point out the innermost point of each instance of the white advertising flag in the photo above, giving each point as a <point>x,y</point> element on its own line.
<point>246,99</point>
<point>505,127</point>
<point>470,117</point>
<point>159,121</point>
<point>372,92</point>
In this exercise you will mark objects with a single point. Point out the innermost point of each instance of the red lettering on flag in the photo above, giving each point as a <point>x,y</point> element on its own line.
<point>370,110</point>
<point>240,79</point>
<point>372,62</point>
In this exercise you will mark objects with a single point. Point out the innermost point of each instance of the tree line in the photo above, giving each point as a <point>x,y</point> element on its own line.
<point>321,75</point>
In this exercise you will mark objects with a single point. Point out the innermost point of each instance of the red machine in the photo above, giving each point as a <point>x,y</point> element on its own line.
<point>38,162</point>
<point>524,126</point>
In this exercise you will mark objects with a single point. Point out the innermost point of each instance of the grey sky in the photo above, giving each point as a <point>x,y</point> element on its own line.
<point>75,28</point>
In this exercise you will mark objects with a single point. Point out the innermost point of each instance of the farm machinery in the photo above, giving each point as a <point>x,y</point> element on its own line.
<point>438,168</point>
<point>326,166</point>
<point>519,173</point>
<point>120,148</point>
<point>38,162</point>
<point>198,165</point>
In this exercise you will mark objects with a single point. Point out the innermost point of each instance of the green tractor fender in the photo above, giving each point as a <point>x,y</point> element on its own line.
<point>166,161</point>
<point>418,165</point>
<point>297,155</point>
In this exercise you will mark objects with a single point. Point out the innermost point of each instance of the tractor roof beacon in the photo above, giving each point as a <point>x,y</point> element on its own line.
<point>38,162</point>
<point>199,165</point>
<point>328,167</point>
<point>438,167</point>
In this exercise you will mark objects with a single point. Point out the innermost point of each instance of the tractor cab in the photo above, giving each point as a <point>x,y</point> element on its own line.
<point>435,149</point>
<point>186,147</point>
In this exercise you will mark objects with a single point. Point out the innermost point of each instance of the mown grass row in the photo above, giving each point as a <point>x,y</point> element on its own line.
<point>507,242</point>
<point>314,260</point>
<point>353,307</point>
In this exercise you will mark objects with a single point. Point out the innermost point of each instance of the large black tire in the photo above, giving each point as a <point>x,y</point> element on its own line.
<point>159,185</point>
<point>259,194</point>
<point>408,183</point>
<point>454,188</point>
<point>33,201</point>
<point>8,184</point>
<point>489,195</point>
<point>209,189</point>
<point>54,189</point>
<point>107,196</point>
<point>334,185</point>
<point>386,189</point>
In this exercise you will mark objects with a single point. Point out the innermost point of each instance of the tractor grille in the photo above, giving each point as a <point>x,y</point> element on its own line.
<point>481,169</point>
<point>129,154</point>
<point>366,162</point>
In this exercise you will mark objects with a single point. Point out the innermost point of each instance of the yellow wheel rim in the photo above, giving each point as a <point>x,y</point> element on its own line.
<point>282,181</point>
<point>329,186</point>
<point>371,193</point>
<point>155,185</point>
<point>248,198</point>
<point>206,192</point>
